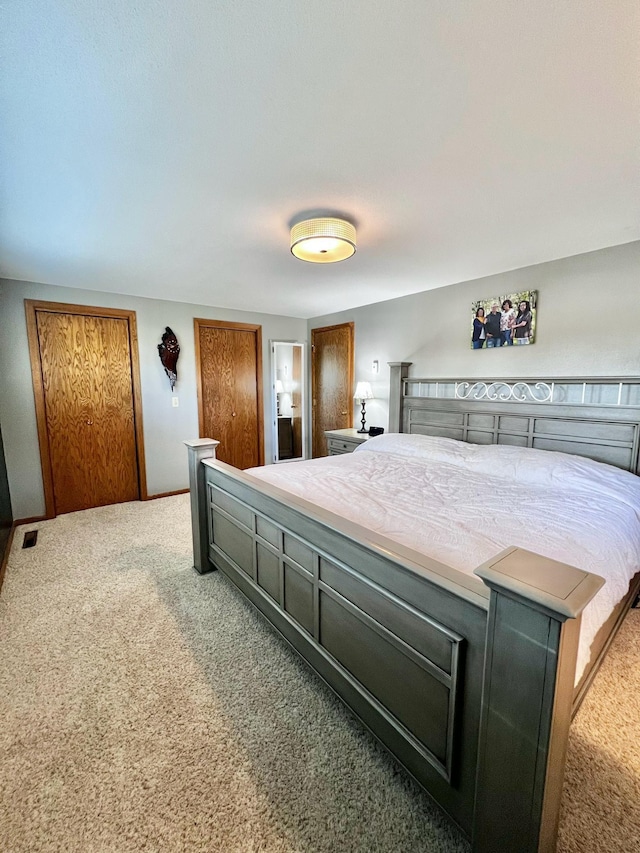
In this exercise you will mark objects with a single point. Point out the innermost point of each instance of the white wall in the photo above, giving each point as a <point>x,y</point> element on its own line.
<point>588,324</point>
<point>165,427</point>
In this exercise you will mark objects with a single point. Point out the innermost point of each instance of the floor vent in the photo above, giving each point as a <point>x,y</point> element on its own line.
<point>30,539</point>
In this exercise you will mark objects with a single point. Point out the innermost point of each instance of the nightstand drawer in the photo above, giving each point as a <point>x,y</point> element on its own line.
<point>343,440</point>
<point>339,445</point>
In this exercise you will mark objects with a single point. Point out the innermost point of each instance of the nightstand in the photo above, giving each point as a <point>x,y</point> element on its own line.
<point>344,440</point>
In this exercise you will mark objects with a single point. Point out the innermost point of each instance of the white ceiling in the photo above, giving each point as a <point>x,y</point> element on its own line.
<point>162,147</point>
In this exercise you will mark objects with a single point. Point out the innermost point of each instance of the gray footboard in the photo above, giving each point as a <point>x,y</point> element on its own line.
<point>468,684</point>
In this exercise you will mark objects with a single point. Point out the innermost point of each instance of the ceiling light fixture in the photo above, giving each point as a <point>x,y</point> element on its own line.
<point>323,240</point>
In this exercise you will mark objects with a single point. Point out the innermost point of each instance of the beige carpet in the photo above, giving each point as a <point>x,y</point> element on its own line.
<point>146,708</point>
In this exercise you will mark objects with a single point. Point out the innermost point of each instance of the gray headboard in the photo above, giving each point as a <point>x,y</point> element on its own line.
<point>598,417</point>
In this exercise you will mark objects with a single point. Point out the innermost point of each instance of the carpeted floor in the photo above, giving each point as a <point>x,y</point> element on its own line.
<point>143,707</point>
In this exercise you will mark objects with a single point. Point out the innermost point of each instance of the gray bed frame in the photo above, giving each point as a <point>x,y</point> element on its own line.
<point>468,681</point>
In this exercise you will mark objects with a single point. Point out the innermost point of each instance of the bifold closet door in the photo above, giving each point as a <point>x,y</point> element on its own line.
<point>90,421</point>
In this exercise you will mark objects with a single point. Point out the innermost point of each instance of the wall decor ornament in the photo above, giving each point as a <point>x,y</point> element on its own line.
<point>169,350</point>
<point>501,321</point>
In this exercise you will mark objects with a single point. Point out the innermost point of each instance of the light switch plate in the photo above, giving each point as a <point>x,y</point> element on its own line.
<point>175,402</point>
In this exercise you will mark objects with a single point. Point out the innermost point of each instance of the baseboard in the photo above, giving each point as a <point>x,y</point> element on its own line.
<point>166,494</point>
<point>32,519</point>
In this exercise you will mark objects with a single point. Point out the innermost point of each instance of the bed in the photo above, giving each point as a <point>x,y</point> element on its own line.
<point>459,647</point>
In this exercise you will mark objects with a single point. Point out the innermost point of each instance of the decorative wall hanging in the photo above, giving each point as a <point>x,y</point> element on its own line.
<point>502,321</point>
<point>169,350</point>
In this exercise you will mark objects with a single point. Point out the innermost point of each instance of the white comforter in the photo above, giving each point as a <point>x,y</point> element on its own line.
<point>462,503</point>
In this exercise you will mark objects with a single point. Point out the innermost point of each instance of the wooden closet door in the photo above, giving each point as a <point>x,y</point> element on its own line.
<point>229,356</point>
<point>89,409</point>
<point>332,382</point>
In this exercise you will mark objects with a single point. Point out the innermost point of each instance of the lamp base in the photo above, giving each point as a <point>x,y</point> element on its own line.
<point>362,420</point>
<point>365,431</point>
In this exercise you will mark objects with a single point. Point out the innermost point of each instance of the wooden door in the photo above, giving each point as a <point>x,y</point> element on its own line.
<point>332,382</point>
<point>88,422</point>
<point>229,366</point>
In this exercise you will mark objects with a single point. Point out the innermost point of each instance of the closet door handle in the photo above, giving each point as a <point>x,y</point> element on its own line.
<point>233,414</point>
<point>89,422</point>
<point>343,413</point>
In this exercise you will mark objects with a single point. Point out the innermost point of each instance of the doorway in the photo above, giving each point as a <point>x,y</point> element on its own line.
<point>229,380</point>
<point>289,401</point>
<point>331,382</point>
<point>86,382</point>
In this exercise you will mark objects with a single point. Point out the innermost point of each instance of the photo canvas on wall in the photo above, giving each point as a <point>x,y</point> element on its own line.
<point>502,321</point>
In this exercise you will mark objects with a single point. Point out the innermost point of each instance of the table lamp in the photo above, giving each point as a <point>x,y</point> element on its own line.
<point>363,392</point>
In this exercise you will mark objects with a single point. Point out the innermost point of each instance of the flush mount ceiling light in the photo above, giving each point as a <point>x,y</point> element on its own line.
<point>324,240</point>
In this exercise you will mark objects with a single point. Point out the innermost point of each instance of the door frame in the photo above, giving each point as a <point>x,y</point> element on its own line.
<point>301,348</point>
<point>200,322</point>
<point>32,306</point>
<point>351,326</point>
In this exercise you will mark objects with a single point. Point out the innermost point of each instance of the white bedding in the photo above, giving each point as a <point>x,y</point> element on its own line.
<point>463,503</point>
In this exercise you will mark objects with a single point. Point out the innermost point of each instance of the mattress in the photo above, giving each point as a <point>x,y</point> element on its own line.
<point>462,503</point>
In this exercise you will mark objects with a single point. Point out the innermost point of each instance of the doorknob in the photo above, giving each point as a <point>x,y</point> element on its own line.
<point>89,422</point>
<point>343,413</point>
<point>233,414</point>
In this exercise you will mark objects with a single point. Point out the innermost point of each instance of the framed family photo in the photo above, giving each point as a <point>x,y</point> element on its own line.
<point>504,321</point>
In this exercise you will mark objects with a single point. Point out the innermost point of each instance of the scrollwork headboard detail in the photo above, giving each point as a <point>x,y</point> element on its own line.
<point>519,392</point>
<point>598,417</point>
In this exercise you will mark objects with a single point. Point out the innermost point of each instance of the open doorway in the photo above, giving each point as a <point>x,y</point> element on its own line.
<point>289,405</point>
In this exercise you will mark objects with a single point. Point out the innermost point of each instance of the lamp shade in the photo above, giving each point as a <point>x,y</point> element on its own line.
<point>323,240</point>
<point>363,391</point>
